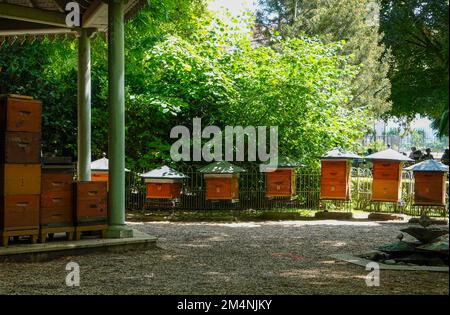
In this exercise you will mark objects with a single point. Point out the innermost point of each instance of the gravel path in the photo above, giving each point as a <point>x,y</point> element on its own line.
<point>231,258</point>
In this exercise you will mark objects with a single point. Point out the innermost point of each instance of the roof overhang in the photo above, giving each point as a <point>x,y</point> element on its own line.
<point>22,18</point>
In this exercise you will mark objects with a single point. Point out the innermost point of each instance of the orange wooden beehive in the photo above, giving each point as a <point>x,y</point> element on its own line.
<point>163,183</point>
<point>281,179</point>
<point>335,175</point>
<point>387,175</point>
<point>100,170</point>
<point>56,192</point>
<point>429,183</point>
<point>221,181</point>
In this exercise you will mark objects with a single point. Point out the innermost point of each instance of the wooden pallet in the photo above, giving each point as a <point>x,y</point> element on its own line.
<point>69,230</point>
<point>90,228</point>
<point>5,235</point>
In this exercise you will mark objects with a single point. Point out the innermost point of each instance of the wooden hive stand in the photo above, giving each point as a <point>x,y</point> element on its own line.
<point>90,228</point>
<point>5,235</point>
<point>50,231</point>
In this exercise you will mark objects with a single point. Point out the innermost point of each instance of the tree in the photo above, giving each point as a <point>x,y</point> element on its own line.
<point>299,85</point>
<point>333,21</point>
<point>417,33</point>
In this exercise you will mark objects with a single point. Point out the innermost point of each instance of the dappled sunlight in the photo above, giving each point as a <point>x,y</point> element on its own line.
<point>218,238</point>
<point>319,274</point>
<point>320,222</point>
<point>334,243</point>
<point>196,245</point>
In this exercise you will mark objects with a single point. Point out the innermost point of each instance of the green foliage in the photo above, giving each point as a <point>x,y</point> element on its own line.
<point>180,66</point>
<point>417,32</point>
<point>334,21</point>
<point>298,85</point>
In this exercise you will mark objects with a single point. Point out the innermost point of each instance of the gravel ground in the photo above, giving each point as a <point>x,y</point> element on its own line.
<point>290,257</point>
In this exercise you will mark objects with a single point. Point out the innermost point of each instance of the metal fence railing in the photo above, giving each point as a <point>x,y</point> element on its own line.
<point>252,194</point>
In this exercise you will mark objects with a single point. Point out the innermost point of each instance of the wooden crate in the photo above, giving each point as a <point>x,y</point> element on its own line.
<point>222,186</point>
<point>335,180</point>
<point>280,183</point>
<point>163,189</point>
<point>91,200</point>
<point>20,179</point>
<point>20,114</point>
<point>387,181</point>
<point>19,212</point>
<point>20,148</point>
<point>429,188</point>
<point>56,198</point>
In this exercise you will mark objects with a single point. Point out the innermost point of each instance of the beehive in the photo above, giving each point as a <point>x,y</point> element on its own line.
<point>387,175</point>
<point>91,200</point>
<point>221,181</point>
<point>429,183</point>
<point>20,169</point>
<point>335,175</point>
<point>281,178</point>
<point>163,183</point>
<point>100,170</point>
<point>56,194</point>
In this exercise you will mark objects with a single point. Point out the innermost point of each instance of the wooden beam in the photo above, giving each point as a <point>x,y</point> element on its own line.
<point>91,12</point>
<point>61,4</point>
<point>35,31</point>
<point>22,13</point>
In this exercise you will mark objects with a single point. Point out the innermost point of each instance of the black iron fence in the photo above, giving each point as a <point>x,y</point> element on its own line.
<point>252,194</point>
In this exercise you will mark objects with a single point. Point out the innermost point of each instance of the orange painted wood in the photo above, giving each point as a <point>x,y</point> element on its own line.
<point>163,190</point>
<point>20,179</point>
<point>222,188</point>
<point>20,147</point>
<point>62,198</point>
<point>53,180</point>
<point>100,177</point>
<point>386,190</point>
<point>56,216</point>
<point>334,169</point>
<point>334,189</point>
<point>386,184</point>
<point>429,188</point>
<point>91,199</point>
<point>56,198</point>
<point>19,212</point>
<point>280,183</point>
<point>17,114</point>
<point>334,182</point>
<point>386,170</point>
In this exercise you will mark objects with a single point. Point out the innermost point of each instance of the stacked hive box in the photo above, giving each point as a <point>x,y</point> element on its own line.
<point>56,215</point>
<point>163,183</point>
<point>91,211</point>
<point>430,183</point>
<point>387,175</point>
<point>222,181</point>
<point>20,169</point>
<point>335,175</point>
<point>281,178</point>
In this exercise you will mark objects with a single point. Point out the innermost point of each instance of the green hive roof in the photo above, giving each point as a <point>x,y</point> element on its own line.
<point>284,162</point>
<point>221,167</point>
<point>163,172</point>
<point>339,154</point>
<point>428,166</point>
